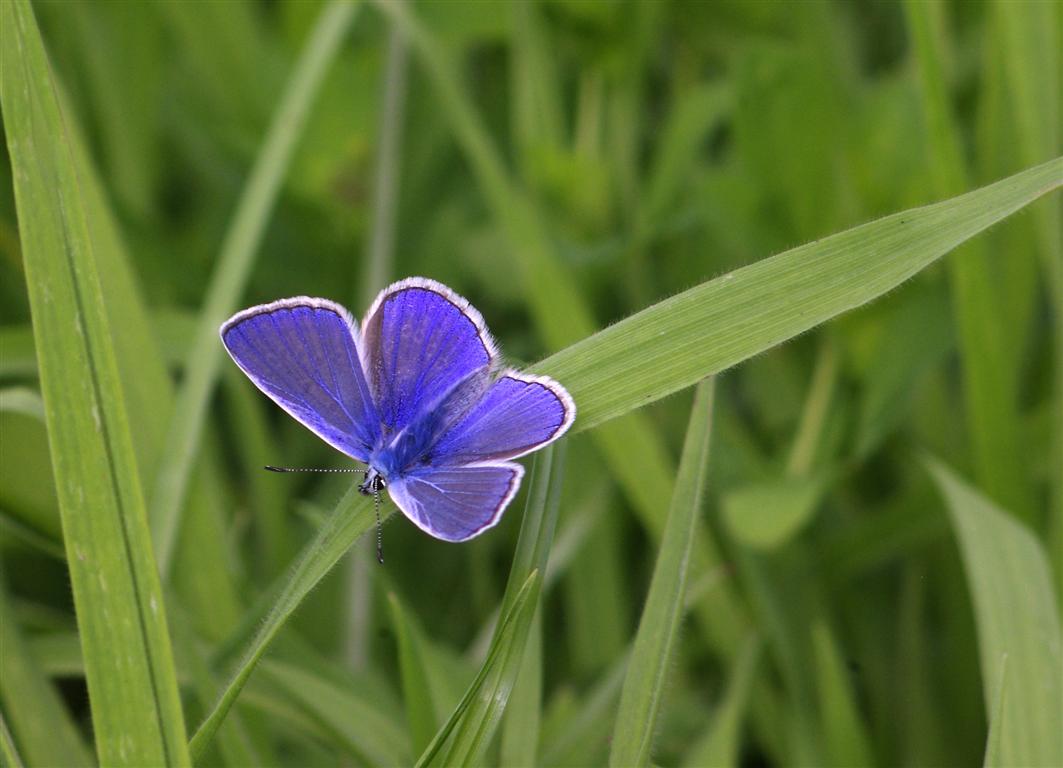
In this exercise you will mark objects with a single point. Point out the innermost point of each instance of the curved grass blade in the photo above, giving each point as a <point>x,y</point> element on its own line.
<point>1016,616</point>
<point>475,727</point>
<point>507,626</point>
<point>640,700</point>
<point>352,517</point>
<point>716,325</point>
<point>234,266</point>
<point>133,692</point>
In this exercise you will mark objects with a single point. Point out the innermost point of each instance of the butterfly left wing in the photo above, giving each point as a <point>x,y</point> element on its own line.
<point>456,503</point>
<point>303,353</point>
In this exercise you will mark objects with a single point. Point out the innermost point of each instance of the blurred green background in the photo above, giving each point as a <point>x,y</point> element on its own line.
<point>662,144</point>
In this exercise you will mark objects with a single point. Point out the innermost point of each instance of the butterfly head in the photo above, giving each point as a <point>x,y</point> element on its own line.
<point>374,483</point>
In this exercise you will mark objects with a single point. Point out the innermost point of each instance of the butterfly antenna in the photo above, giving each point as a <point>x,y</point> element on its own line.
<point>379,531</point>
<point>272,468</point>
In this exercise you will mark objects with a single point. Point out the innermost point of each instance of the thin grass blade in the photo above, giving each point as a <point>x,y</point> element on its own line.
<point>476,726</point>
<point>1017,618</point>
<point>136,709</point>
<point>421,719</point>
<point>640,700</point>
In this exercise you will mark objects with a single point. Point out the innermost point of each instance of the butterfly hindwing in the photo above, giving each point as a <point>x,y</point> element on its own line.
<point>304,354</point>
<point>420,340</point>
<point>518,413</point>
<point>457,503</point>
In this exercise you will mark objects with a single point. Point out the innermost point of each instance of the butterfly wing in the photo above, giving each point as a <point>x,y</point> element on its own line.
<point>420,341</point>
<point>518,414</point>
<point>304,354</point>
<point>457,503</point>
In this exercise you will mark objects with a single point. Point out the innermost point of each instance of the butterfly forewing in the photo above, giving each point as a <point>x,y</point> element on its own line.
<point>421,339</point>
<point>303,353</point>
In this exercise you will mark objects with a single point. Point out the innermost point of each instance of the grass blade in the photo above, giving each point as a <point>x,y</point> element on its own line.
<point>475,727</point>
<point>640,700</point>
<point>507,626</point>
<point>417,695</point>
<point>352,517</point>
<point>234,266</point>
<point>136,709</point>
<point>9,756</point>
<point>992,746</point>
<point>717,324</point>
<point>1016,615</point>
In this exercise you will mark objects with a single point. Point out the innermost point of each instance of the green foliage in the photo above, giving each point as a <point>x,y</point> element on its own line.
<point>608,183</point>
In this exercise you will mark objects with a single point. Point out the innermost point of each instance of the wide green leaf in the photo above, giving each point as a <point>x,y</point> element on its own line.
<point>137,714</point>
<point>640,700</point>
<point>718,324</point>
<point>1015,610</point>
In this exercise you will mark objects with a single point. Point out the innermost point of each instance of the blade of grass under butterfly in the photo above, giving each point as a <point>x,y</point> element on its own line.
<point>352,517</point>
<point>234,266</point>
<point>519,744</point>
<point>709,328</point>
<point>640,700</point>
<point>507,625</point>
<point>1016,616</point>
<point>133,692</point>
<point>475,727</point>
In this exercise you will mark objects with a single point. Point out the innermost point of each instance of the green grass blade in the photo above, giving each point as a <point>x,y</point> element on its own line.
<point>132,687</point>
<point>421,719</point>
<point>507,625</point>
<point>993,745</point>
<point>234,266</point>
<point>766,515</point>
<point>9,756</point>
<point>717,324</point>
<point>40,724</point>
<point>640,700</point>
<point>845,740</point>
<point>476,725</point>
<point>721,743</point>
<point>352,517</point>
<point>366,731</point>
<point>1016,616</point>
<point>520,729</point>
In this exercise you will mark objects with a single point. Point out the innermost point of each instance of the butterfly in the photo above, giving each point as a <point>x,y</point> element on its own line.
<point>417,393</point>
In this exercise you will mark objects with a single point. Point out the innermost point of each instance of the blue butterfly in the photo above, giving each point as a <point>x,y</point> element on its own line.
<point>418,394</point>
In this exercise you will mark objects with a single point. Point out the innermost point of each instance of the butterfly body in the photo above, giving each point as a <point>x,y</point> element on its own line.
<point>418,393</point>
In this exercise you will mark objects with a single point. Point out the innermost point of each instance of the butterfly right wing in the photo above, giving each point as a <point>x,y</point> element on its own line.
<point>304,354</point>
